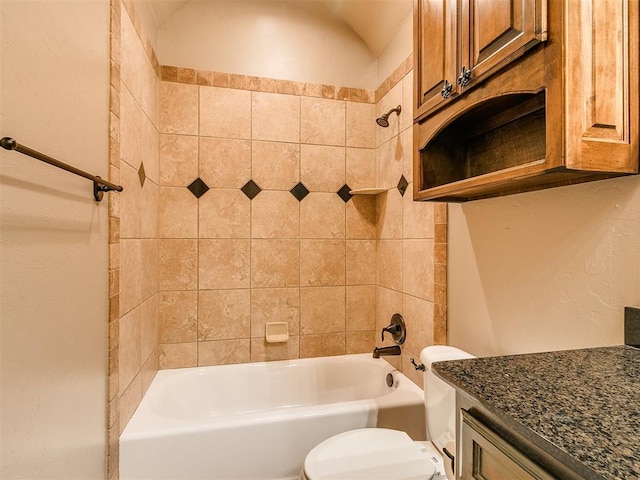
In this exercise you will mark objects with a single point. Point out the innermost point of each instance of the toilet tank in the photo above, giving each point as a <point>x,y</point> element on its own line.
<point>439,397</point>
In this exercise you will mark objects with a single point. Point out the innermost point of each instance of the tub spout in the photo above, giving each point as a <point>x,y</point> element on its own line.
<point>382,351</point>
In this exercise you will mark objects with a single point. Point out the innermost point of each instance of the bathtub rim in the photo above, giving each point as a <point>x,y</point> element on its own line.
<point>146,423</point>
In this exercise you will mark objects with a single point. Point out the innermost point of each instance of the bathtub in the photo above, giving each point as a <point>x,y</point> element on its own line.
<point>258,421</point>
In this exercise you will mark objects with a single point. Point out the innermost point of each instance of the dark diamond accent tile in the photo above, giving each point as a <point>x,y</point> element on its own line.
<point>198,188</point>
<point>344,194</point>
<point>402,185</point>
<point>141,174</point>
<point>299,191</point>
<point>251,189</point>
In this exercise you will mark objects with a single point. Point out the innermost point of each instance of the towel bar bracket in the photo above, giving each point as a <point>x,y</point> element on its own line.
<point>100,188</point>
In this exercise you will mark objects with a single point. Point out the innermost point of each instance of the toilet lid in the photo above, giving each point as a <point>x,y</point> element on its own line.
<point>368,453</point>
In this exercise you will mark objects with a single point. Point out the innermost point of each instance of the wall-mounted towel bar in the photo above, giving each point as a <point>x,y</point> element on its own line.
<point>99,185</point>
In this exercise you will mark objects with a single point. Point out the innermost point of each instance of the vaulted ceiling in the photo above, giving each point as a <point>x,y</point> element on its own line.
<point>375,21</point>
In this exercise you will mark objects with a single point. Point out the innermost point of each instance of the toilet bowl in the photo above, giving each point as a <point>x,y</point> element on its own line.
<point>380,453</point>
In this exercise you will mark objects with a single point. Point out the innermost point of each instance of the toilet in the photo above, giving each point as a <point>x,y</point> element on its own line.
<point>381,453</point>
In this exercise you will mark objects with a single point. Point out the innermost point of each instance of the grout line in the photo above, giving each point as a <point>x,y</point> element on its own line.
<point>299,288</point>
<point>251,140</point>
<point>197,339</point>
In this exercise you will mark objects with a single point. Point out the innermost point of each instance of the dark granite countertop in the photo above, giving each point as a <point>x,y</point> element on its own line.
<point>582,405</point>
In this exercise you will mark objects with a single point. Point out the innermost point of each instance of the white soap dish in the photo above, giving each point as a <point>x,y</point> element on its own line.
<point>276,332</point>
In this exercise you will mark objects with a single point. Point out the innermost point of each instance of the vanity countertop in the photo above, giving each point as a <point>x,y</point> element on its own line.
<point>580,406</point>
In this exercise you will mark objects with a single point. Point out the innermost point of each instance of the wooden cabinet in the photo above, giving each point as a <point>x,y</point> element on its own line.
<point>601,75</point>
<point>459,43</point>
<point>435,52</point>
<point>488,456</point>
<point>566,112</point>
<point>499,32</point>
<point>489,448</point>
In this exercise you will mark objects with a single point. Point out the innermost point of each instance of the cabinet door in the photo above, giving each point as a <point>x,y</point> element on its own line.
<point>602,85</point>
<point>436,53</point>
<point>498,32</point>
<point>487,456</point>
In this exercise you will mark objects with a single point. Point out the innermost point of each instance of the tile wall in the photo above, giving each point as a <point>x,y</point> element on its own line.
<point>133,221</point>
<point>411,236</point>
<point>236,213</point>
<point>255,220</point>
<point>253,227</point>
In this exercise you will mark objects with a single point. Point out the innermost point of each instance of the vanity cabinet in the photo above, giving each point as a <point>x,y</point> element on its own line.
<point>562,414</point>
<point>488,449</point>
<point>488,456</point>
<point>552,96</point>
<point>460,43</point>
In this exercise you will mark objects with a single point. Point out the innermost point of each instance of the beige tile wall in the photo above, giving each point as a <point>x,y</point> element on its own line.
<point>134,222</point>
<point>193,281</point>
<point>336,272</point>
<point>228,264</point>
<point>411,250</point>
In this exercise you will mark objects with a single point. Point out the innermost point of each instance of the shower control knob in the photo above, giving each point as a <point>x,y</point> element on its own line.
<point>465,77</point>
<point>446,89</point>
<point>397,329</point>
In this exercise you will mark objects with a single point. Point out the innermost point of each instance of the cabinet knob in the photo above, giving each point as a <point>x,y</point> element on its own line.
<point>446,89</point>
<point>465,77</point>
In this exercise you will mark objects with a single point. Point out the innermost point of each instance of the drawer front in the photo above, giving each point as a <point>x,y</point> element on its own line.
<point>486,456</point>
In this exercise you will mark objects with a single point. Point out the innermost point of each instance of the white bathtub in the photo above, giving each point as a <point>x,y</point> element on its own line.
<point>259,420</point>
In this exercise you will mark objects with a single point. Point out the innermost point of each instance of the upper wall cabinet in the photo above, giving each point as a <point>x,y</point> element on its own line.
<point>435,53</point>
<point>566,111</point>
<point>460,43</point>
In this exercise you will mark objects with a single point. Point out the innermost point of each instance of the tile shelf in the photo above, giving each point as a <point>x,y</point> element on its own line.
<point>368,191</point>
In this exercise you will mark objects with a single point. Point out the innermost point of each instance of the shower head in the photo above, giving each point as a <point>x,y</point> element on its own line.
<point>383,121</point>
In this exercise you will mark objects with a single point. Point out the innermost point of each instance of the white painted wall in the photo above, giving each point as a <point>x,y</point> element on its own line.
<point>149,21</point>
<point>288,40</point>
<point>547,270</point>
<point>54,93</point>
<point>396,52</point>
